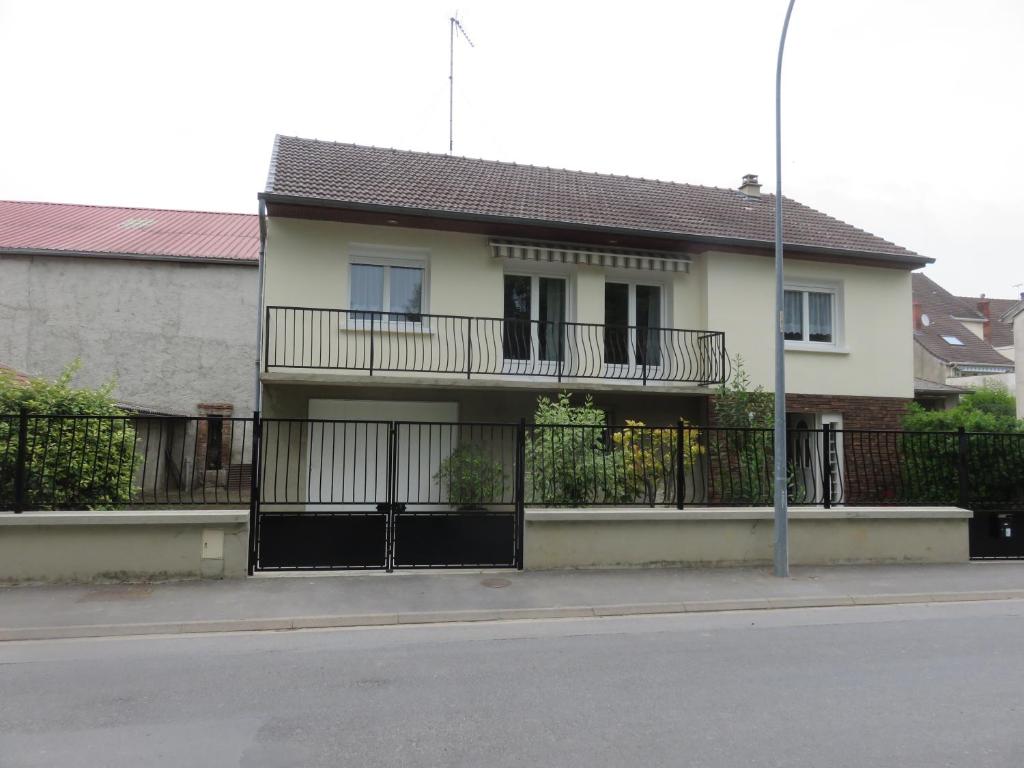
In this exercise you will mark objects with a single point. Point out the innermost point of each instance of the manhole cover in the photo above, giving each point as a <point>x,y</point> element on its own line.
<point>495,582</point>
<point>137,592</point>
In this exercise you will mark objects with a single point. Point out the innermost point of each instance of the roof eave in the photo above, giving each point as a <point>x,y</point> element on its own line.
<point>912,261</point>
<point>127,256</point>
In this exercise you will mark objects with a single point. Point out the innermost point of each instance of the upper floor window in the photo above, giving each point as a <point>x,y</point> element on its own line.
<point>392,286</point>
<point>810,315</point>
<point>534,317</point>
<point>632,316</point>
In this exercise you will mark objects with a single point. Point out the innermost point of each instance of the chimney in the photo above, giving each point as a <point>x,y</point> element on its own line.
<point>986,309</point>
<point>918,325</point>
<point>750,185</point>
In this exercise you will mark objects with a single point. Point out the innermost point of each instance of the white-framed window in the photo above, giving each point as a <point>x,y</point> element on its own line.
<point>387,286</point>
<point>536,308</point>
<point>633,319</point>
<point>812,316</point>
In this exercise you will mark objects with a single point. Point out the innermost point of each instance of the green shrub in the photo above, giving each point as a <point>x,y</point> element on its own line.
<point>567,466</point>
<point>70,463</point>
<point>995,463</point>
<point>472,477</point>
<point>645,460</point>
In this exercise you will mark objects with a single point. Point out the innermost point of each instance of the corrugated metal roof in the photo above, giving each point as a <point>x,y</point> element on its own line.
<point>153,232</point>
<point>312,171</point>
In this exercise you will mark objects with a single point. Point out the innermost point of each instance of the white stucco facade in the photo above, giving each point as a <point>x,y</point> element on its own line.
<point>171,334</point>
<point>307,265</point>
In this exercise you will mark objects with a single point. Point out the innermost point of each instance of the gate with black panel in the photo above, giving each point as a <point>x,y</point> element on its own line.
<point>336,495</point>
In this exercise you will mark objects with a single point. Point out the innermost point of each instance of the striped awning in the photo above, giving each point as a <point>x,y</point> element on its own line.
<point>563,253</point>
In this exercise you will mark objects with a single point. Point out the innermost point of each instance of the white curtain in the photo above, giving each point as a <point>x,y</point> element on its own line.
<point>367,290</point>
<point>793,325</point>
<point>406,290</point>
<point>819,311</point>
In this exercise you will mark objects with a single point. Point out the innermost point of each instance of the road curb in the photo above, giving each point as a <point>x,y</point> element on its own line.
<point>81,631</point>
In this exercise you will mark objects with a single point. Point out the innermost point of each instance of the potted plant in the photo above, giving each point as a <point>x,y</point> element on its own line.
<point>472,477</point>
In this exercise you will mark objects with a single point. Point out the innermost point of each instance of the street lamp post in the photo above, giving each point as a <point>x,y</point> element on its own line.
<point>781,511</point>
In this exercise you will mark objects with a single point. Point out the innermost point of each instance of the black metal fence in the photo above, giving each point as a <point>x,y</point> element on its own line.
<point>76,462</point>
<point>359,340</point>
<point>109,462</point>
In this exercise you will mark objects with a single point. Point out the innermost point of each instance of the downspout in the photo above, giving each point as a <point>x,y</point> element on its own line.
<point>257,388</point>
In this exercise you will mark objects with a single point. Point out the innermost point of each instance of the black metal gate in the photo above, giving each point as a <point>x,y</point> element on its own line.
<point>333,495</point>
<point>997,532</point>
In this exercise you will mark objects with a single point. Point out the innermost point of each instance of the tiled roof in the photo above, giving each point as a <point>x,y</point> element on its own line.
<point>309,170</point>
<point>93,229</point>
<point>942,308</point>
<point>1002,330</point>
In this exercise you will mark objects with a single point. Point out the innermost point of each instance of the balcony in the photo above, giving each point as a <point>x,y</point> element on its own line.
<point>300,338</point>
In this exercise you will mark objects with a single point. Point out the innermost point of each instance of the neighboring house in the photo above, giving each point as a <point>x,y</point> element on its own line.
<point>1015,316</point>
<point>951,340</point>
<point>404,285</point>
<point>996,329</point>
<point>161,302</point>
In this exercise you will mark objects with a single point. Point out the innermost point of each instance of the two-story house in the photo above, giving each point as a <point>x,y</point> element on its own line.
<point>407,285</point>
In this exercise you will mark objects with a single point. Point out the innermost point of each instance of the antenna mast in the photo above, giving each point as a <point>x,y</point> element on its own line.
<point>453,27</point>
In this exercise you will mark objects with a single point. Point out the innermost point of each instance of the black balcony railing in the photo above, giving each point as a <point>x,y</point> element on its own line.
<point>357,340</point>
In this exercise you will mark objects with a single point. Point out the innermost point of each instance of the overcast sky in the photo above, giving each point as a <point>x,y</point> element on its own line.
<point>902,117</point>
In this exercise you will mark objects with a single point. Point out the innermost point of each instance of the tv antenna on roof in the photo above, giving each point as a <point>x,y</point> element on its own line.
<point>453,26</point>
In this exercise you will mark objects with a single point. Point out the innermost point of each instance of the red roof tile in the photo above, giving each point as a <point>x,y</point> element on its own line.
<point>93,229</point>
<point>309,170</point>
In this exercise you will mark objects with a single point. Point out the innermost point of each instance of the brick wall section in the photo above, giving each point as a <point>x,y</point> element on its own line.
<point>857,412</point>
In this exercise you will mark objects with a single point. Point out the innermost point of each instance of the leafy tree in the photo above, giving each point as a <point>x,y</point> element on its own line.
<point>989,409</point>
<point>70,462</point>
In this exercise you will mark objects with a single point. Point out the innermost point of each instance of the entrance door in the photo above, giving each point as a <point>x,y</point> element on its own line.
<point>806,457</point>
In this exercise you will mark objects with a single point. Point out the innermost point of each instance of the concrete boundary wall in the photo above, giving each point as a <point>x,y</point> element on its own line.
<point>619,538</point>
<point>123,545</point>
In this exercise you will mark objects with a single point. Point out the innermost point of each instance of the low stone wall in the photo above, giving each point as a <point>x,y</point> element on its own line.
<point>616,538</point>
<point>123,545</point>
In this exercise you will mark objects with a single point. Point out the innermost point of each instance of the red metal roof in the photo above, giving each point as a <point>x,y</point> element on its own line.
<point>93,229</point>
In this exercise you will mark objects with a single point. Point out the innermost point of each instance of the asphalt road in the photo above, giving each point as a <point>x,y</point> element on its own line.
<point>923,685</point>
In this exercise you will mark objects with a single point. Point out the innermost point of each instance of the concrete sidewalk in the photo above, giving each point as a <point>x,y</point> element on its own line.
<point>374,599</point>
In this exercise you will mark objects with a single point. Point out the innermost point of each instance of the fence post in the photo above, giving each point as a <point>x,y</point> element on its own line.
<point>520,490</point>
<point>20,461</point>
<point>961,461</point>
<point>254,488</point>
<point>826,464</point>
<point>680,463</point>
